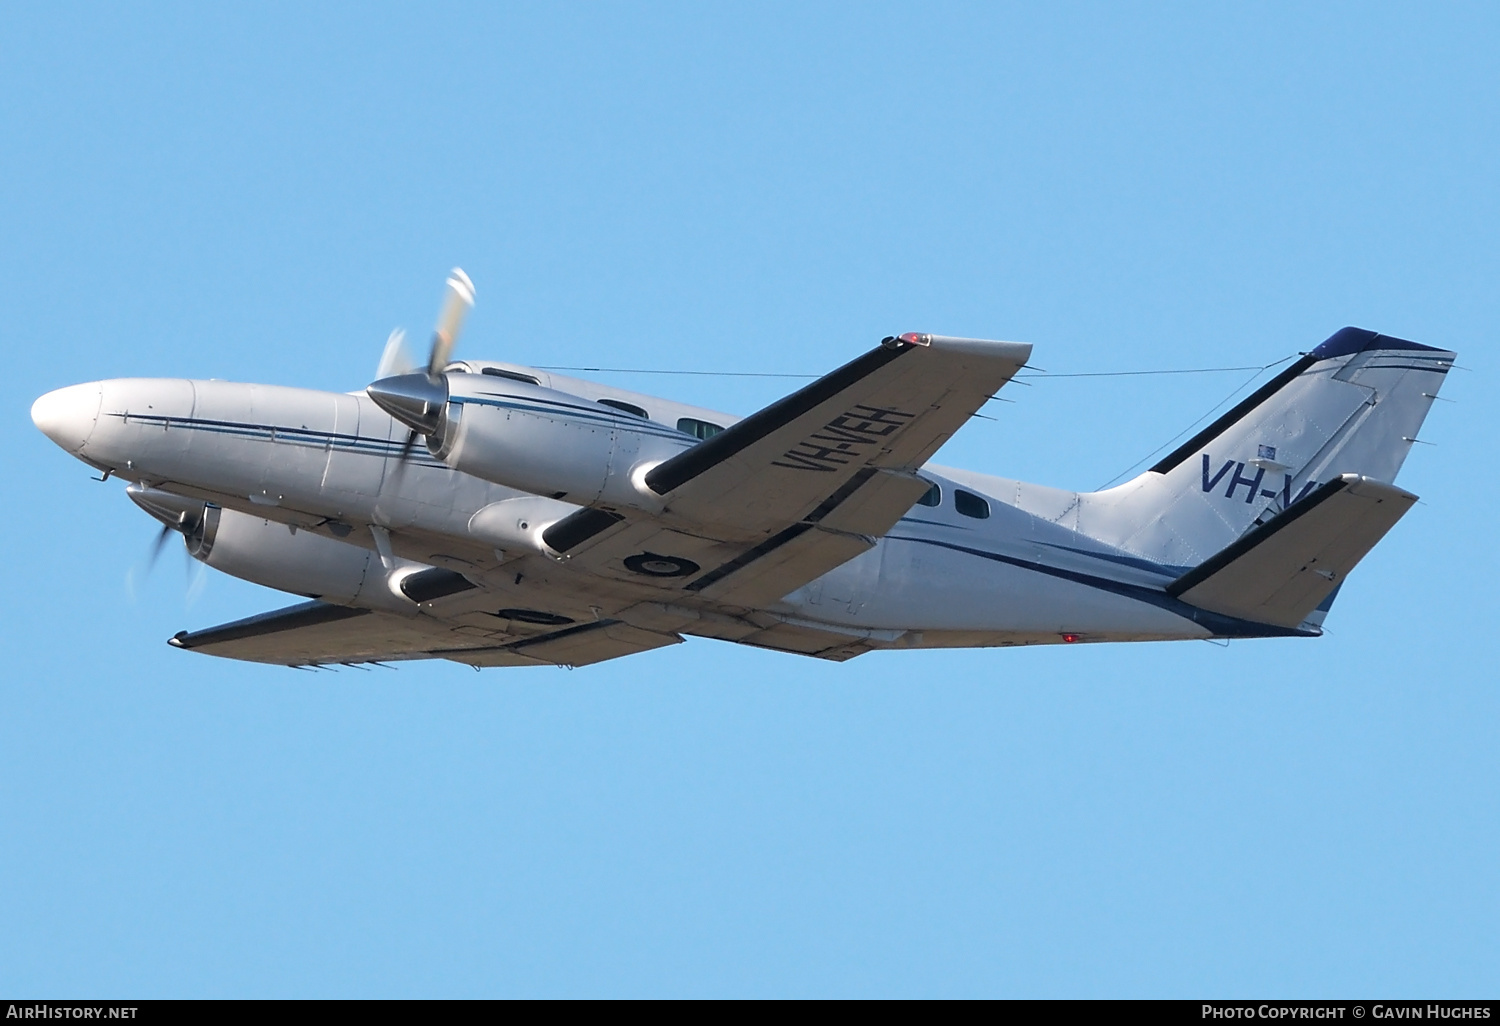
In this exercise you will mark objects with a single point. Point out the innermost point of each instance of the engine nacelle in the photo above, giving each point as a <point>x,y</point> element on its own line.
<point>517,526</point>
<point>553,443</point>
<point>301,562</point>
<point>271,554</point>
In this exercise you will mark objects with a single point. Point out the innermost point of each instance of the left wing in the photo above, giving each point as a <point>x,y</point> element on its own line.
<point>800,487</point>
<point>320,634</point>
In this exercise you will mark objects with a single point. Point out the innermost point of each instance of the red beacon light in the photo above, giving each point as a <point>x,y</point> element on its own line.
<point>1068,639</point>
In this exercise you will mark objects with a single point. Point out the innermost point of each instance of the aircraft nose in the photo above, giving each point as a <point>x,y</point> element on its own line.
<point>67,415</point>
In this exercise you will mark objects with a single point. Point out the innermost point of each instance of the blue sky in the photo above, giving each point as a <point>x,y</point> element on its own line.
<point>263,193</point>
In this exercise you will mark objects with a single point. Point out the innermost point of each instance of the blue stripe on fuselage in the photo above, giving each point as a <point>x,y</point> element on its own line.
<point>307,437</point>
<point>1216,623</point>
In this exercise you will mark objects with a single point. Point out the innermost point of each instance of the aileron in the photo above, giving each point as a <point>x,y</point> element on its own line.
<point>318,633</point>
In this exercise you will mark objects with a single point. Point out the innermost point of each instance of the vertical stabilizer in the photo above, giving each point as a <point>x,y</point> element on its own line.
<point>1351,406</point>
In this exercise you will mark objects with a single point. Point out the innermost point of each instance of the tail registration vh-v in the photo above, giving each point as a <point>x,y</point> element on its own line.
<point>501,515</point>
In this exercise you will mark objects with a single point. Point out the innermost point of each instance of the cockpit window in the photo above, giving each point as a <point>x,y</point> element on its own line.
<point>624,407</point>
<point>698,428</point>
<point>970,505</point>
<point>496,372</point>
<point>934,497</point>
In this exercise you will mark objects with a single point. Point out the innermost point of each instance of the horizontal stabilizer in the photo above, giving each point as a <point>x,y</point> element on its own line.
<point>1281,570</point>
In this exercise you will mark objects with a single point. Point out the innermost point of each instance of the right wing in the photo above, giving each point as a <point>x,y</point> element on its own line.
<point>888,410</point>
<point>802,486</point>
<point>320,634</point>
<point>1279,572</point>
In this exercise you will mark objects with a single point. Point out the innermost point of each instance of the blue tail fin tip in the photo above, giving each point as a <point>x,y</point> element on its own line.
<point>1348,341</point>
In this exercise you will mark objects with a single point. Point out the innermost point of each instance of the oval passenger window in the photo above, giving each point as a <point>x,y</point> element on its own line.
<point>970,505</point>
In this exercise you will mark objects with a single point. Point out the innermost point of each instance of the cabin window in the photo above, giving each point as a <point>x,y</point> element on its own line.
<point>496,372</point>
<point>970,505</point>
<point>698,428</point>
<point>624,407</point>
<point>934,497</point>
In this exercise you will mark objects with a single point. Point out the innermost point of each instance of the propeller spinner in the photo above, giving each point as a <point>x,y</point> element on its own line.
<point>418,398</point>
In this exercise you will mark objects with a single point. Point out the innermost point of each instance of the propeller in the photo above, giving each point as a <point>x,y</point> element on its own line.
<point>177,514</point>
<point>397,358</point>
<point>156,546</point>
<point>418,398</point>
<point>457,302</point>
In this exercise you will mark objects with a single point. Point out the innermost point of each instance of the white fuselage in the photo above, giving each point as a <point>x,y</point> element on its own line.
<point>319,476</point>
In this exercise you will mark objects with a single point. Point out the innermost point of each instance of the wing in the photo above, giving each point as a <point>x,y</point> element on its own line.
<point>805,484</point>
<point>317,633</point>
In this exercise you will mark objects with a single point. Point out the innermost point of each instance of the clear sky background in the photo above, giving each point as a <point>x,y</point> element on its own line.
<point>263,194</point>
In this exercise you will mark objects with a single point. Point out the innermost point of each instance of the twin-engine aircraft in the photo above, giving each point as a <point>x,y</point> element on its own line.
<point>501,515</point>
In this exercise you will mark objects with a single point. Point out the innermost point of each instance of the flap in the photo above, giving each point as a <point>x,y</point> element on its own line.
<point>580,645</point>
<point>1279,572</point>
